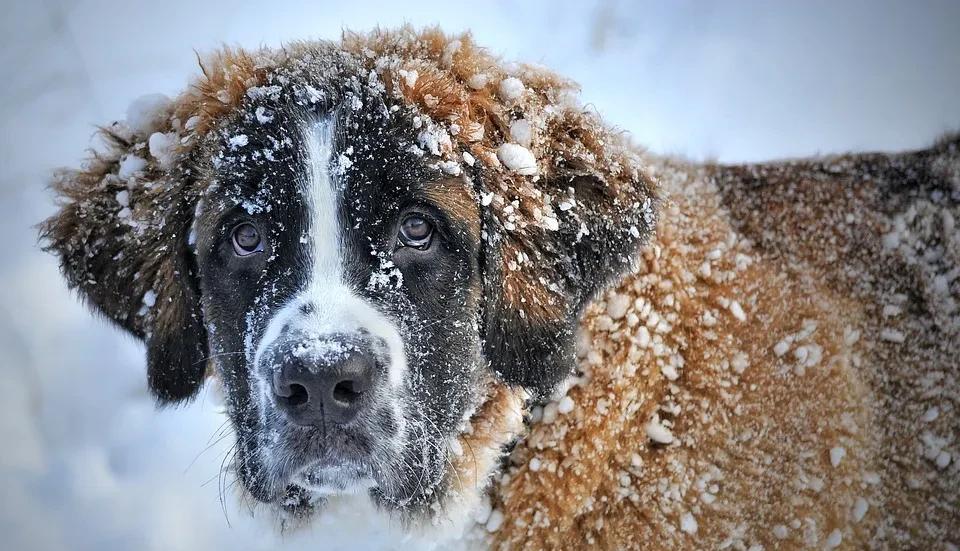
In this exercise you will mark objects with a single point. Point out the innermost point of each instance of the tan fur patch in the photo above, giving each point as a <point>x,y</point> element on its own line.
<point>455,198</point>
<point>495,423</point>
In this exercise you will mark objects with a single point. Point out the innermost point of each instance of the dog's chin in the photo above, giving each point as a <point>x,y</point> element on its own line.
<point>307,497</point>
<point>328,479</point>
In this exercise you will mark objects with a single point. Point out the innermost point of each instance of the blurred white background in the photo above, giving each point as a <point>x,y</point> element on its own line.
<point>86,462</point>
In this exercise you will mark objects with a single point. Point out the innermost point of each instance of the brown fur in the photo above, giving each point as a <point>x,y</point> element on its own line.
<point>455,198</point>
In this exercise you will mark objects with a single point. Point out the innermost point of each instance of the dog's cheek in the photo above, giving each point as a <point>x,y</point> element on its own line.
<point>529,339</point>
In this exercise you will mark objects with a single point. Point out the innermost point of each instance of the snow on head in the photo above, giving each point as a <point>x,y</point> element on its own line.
<point>521,132</point>
<point>147,114</point>
<point>517,158</point>
<point>511,89</point>
<point>131,165</point>
<point>163,148</point>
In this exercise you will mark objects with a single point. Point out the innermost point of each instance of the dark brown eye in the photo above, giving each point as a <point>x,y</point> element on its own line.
<point>246,239</point>
<point>416,232</point>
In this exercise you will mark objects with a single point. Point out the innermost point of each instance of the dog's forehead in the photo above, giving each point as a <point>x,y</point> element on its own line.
<point>261,155</point>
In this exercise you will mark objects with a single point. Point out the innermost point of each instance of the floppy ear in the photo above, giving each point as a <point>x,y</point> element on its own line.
<point>121,237</point>
<point>538,279</point>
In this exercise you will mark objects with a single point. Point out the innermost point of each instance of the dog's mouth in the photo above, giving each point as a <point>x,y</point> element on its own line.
<point>320,480</point>
<point>335,478</point>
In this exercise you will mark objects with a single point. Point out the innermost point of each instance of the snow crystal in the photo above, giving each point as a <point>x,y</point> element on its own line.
<point>123,198</point>
<point>482,513</point>
<point>942,460</point>
<point>891,310</point>
<point>263,114</point>
<point>737,311</point>
<point>834,539</point>
<point>130,165</point>
<point>740,362</point>
<point>495,520</point>
<point>238,141</point>
<point>688,523</point>
<point>344,162</point>
<point>892,335</point>
<point>534,464</point>
<point>521,132</point>
<point>517,158</point>
<point>782,347</point>
<point>486,199</point>
<point>931,414</point>
<point>264,92</point>
<point>192,123</point>
<point>549,413</point>
<point>780,532</point>
<point>468,158</point>
<point>163,148</point>
<point>409,77</point>
<point>450,167</point>
<point>670,372</point>
<point>478,81</point>
<point>836,455</point>
<point>565,405</point>
<point>860,507</point>
<point>643,337</point>
<point>657,432</point>
<point>617,305</point>
<point>147,113</point>
<point>149,299</point>
<point>511,89</point>
<point>434,140</point>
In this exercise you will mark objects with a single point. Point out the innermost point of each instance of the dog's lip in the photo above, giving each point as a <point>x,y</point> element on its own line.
<point>335,477</point>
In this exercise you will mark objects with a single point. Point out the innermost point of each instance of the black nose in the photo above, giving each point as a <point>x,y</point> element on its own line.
<point>314,391</point>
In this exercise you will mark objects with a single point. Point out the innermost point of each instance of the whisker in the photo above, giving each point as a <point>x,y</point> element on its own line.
<point>217,355</point>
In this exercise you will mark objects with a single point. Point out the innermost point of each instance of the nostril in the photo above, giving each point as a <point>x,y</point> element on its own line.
<point>298,395</point>
<point>346,392</point>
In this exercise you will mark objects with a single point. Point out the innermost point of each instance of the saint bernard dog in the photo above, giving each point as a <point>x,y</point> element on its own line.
<point>437,287</point>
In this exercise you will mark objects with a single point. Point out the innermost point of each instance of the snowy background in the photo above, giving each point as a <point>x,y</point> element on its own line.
<point>86,462</point>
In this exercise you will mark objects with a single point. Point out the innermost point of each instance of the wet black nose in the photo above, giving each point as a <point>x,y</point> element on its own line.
<point>314,391</point>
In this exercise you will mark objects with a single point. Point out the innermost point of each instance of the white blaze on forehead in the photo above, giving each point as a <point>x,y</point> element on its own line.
<point>322,191</point>
<point>334,307</point>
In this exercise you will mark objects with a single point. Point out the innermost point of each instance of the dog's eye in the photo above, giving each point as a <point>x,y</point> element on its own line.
<point>246,239</point>
<point>416,232</point>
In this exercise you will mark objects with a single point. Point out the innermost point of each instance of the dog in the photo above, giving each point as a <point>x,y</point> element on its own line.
<point>437,289</point>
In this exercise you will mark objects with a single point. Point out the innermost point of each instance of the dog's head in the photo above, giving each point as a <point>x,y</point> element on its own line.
<point>380,247</point>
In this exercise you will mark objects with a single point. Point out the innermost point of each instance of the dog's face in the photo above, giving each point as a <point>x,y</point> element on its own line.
<point>339,276</point>
<point>366,288</point>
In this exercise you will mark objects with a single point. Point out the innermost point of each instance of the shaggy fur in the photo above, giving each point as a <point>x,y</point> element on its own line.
<point>776,367</point>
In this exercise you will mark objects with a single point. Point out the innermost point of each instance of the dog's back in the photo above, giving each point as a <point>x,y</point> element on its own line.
<point>881,231</point>
<point>781,370</point>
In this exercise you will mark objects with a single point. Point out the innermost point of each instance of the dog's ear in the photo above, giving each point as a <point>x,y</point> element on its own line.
<point>539,278</point>
<point>121,237</point>
<point>125,218</point>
